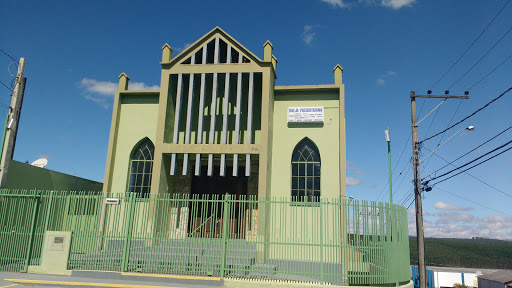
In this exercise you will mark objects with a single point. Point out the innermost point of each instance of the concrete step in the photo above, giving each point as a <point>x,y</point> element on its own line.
<point>263,271</point>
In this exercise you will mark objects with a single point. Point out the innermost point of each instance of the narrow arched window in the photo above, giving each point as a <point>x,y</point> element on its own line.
<point>306,172</point>
<point>141,168</point>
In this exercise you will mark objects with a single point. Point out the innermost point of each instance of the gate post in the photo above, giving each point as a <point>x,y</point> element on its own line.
<point>225,224</point>
<point>37,197</point>
<point>128,239</point>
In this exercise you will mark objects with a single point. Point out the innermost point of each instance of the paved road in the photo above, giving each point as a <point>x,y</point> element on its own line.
<point>105,279</point>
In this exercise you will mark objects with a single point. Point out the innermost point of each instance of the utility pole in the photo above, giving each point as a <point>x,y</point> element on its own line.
<point>12,124</point>
<point>422,269</point>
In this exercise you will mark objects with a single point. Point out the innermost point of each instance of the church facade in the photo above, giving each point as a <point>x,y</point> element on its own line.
<point>219,125</point>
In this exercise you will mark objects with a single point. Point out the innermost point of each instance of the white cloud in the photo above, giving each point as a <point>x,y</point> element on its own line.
<point>336,3</point>
<point>463,225</point>
<point>381,80</point>
<point>102,92</point>
<point>98,100</point>
<point>393,4</point>
<point>445,206</point>
<point>397,4</point>
<point>308,34</point>
<point>141,86</point>
<point>99,87</point>
<point>180,49</point>
<point>412,212</point>
<point>46,156</point>
<point>353,181</point>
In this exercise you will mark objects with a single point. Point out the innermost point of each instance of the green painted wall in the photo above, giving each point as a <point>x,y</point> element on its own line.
<point>137,120</point>
<point>287,136</point>
<point>25,176</point>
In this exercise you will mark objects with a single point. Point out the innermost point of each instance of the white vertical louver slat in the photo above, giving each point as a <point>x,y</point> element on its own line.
<point>249,123</point>
<point>237,118</point>
<point>225,115</point>
<point>189,115</point>
<point>201,114</point>
<point>179,93</point>
<point>213,107</point>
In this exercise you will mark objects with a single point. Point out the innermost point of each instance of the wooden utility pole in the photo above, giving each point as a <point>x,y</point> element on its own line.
<point>422,269</point>
<point>12,123</point>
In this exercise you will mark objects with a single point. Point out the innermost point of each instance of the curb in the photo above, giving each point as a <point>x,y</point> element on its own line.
<point>81,284</point>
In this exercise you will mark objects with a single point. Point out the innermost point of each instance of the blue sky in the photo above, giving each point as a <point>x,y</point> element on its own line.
<point>76,49</point>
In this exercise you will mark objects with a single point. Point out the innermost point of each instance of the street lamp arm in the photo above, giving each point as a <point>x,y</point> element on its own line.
<point>468,128</point>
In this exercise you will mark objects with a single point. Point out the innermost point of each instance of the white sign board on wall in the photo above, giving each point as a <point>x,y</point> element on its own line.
<point>305,114</point>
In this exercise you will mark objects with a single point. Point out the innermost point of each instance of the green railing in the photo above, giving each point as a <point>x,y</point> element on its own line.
<point>330,241</point>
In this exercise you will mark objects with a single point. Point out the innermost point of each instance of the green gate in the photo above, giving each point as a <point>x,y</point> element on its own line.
<point>18,234</point>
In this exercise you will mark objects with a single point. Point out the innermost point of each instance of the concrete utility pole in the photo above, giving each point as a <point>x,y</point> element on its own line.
<point>417,185</point>
<point>12,124</point>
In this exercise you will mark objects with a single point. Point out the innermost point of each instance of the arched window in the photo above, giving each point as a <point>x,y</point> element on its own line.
<point>306,172</point>
<point>141,168</point>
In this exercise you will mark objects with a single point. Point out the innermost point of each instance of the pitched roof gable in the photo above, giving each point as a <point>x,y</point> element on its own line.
<point>206,39</point>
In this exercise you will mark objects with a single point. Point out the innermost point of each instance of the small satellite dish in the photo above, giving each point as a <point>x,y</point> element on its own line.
<point>41,162</point>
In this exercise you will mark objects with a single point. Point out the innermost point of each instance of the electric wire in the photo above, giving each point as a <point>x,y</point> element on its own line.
<point>494,137</point>
<point>400,157</point>
<point>10,89</point>
<point>467,117</point>
<point>478,158</point>
<point>485,55</point>
<point>407,197</point>
<point>478,164</point>
<point>442,136</point>
<point>473,201</point>
<point>490,72</point>
<point>394,169</point>
<point>396,196</point>
<point>410,204</point>
<point>489,185</point>
<point>12,58</point>
<point>485,29</point>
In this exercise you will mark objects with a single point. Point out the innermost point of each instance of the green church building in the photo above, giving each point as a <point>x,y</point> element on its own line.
<point>219,125</point>
<point>220,173</point>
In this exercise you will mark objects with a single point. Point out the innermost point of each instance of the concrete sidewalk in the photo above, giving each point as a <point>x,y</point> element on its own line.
<point>93,279</point>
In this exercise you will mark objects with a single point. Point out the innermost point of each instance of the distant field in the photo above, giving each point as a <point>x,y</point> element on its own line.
<point>480,253</point>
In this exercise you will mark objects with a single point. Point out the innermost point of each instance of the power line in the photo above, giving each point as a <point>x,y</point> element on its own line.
<point>473,177</point>
<point>400,157</point>
<point>397,162</point>
<point>473,202</point>
<point>472,160</point>
<point>472,114</point>
<point>410,204</point>
<point>407,197</point>
<point>473,166</point>
<point>402,181</point>
<point>6,86</point>
<point>494,137</point>
<point>490,72</point>
<point>394,181</point>
<point>13,57</point>
<point>485,55</point>
<point>472,44</point>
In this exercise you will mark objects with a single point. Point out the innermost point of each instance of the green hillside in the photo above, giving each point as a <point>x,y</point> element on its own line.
<point>469,253</point>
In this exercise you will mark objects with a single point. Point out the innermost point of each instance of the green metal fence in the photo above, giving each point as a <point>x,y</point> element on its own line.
<point>329,241</point>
